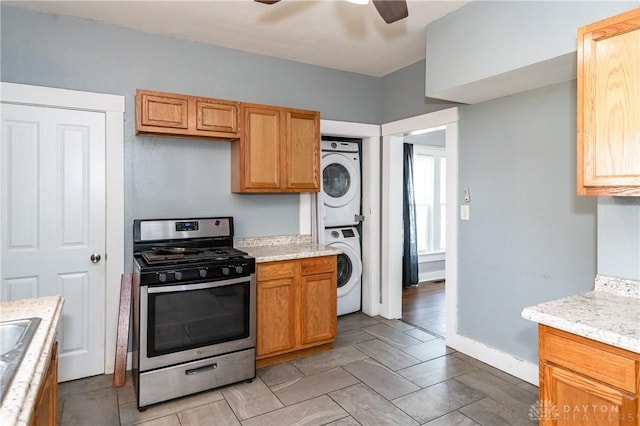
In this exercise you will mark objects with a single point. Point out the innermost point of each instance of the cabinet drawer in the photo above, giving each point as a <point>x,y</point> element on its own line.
<point>273,270</point>
<point>589,358</point>
<point>316,265</point>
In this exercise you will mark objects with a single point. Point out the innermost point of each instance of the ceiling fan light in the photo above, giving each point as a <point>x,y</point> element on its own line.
<point>358,1</point>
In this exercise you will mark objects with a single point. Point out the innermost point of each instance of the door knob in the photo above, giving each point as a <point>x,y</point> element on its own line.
<point>95,257</point>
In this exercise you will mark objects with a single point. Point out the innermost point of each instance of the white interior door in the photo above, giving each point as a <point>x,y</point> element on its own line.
<point>53,221</point>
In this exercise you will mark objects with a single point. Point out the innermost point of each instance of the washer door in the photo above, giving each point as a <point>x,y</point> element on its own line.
<point>340,179</point>
<point>349,268</point>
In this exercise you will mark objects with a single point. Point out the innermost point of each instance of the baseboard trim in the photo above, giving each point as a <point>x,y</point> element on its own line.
<point>431,276</point>
<point>508,363</point>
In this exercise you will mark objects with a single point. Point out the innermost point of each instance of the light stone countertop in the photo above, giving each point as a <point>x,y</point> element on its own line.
<point>609,314</point>
<point>287,247</point>
<point>19,402</point>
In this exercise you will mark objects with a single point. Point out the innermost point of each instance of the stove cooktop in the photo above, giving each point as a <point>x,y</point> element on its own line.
<point>179,271</point>
<point>177,251</point>
<point>184,255</point>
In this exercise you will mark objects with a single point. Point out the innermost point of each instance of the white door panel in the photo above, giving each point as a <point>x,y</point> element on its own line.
<point>53,219</point>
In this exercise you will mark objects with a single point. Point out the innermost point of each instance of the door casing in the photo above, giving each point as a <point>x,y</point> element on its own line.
<point>113,108</point>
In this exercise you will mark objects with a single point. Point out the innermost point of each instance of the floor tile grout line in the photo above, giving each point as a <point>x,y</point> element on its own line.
<point>394,347</point>
<point>377,393</point>
<point>309,399</point>
<point>433,333</point>
<point>224,398</point>
<point>490,375</point>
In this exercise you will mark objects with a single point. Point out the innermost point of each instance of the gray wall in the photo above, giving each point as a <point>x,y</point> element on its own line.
<point>529,239</point>
<point>619,237</point>
<point>403,94</point>
<point>167,177</point>
<point>487,39</point>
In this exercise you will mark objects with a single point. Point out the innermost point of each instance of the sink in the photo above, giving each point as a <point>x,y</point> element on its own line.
<point>15,337</point>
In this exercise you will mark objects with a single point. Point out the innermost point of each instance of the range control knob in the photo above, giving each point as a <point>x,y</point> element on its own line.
<point>202,273</point>
<point>162,277</point>
<point>178,275</point>
<point>238,269</point>
<point>225,271</point>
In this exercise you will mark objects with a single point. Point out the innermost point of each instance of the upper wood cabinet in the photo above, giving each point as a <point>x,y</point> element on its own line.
<point>302,150</point>
<point>278,150</point>
<point>183,115</point>
<point>608,118</point>
<point>275,149</point>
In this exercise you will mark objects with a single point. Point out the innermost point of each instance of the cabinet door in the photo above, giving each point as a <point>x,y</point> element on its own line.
<point>275,322</point>
<point>260,152</point>
<point>216,117</point>
<point>302,146</point>
<point>572,399</point>
<point>608,112</point>
<point>161,112</point>
<point>317,308</point>
<point>275,307</point>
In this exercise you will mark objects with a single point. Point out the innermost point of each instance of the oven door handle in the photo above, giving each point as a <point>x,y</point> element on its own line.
<point>197,286</point>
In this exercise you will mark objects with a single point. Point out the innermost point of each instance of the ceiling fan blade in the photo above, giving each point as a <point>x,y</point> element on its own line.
<point>391,10</point>
<point>267,1</point>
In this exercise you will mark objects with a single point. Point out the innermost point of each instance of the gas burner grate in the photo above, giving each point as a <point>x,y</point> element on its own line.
<point>160,256</point>
<point>153,257</point>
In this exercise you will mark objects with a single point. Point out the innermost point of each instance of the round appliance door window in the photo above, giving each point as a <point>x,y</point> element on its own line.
<point>340,180</point>
<point>345,269</point>
<point>336,180</point>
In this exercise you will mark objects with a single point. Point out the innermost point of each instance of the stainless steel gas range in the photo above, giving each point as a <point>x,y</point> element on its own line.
<point>194,308</point>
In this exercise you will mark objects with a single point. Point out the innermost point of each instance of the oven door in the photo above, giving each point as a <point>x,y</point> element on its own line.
<point>182,323</point>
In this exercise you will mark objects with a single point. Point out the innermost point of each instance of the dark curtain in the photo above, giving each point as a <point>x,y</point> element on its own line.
<point>410,246</point>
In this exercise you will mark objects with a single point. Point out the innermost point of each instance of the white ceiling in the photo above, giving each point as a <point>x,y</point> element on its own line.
<point>329,33</point>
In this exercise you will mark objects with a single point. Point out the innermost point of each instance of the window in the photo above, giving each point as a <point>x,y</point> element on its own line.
<point>429,171</point>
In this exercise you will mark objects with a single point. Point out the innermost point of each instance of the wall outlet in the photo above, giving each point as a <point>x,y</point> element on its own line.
<point>464,212</point>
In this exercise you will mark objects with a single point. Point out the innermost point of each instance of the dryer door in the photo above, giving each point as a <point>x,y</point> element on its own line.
<point>349,268</point>
<point>340,180</point>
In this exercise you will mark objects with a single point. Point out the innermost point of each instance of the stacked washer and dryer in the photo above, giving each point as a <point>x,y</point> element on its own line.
<point>341,195</point>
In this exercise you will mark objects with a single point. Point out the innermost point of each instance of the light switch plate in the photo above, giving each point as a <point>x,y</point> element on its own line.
<point>467,195</point>
<point>464,212</point>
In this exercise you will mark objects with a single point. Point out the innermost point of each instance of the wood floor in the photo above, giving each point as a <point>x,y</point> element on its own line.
<point>423,306</point>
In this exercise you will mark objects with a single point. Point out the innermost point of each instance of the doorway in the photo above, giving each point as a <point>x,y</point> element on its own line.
<point>73,141</point>
<point>393,135</point>
<point>423,304</point>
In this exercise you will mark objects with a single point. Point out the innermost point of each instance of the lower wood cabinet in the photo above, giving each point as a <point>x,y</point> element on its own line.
<point>46,408</point>
<point>586,382</point>
<point>296,308</point>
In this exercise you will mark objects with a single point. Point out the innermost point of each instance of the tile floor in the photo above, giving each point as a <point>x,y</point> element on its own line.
<point>380,372</point>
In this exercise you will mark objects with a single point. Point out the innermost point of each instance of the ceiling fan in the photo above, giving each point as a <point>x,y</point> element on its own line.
<point>390,10</point>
